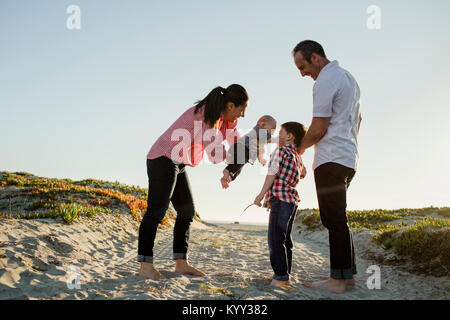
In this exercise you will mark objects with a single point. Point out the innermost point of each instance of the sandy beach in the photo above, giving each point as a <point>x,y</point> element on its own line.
<point>36,256</point>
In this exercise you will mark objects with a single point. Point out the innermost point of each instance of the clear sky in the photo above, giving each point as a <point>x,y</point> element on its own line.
<point>89,103</point>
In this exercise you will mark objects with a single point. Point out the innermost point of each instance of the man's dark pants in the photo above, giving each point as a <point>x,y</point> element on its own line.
<point>332,181</point>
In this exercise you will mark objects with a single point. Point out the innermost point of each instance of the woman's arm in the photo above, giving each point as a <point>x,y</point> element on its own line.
<point>230,133</point>
<point>213,140</point>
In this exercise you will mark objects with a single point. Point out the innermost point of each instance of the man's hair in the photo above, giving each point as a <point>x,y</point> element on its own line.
<point>307,48</point>
<point>297,129</point>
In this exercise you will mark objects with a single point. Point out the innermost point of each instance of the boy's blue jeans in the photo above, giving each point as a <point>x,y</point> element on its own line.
<point>281,218</point>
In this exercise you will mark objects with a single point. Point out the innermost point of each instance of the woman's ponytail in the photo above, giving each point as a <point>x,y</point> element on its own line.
<point>215,102</point>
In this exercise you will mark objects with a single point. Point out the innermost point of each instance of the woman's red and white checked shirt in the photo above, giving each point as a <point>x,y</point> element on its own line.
<point>288,167</point>
<point>189,137</point>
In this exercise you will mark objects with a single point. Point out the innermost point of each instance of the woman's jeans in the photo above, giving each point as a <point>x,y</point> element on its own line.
<point>167,181</point>
<point>281,218</point>
<point>332,181</point>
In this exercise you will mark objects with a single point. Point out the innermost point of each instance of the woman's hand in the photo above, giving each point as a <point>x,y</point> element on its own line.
<point>226,179</point>
<point>225,182</point>
<point>258,200</point>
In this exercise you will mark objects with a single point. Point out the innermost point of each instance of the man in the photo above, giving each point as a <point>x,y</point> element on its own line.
<point>333,132</point>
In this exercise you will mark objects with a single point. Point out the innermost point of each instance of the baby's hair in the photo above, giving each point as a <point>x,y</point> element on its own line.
<point>266,118</point>
<point>297,129</point>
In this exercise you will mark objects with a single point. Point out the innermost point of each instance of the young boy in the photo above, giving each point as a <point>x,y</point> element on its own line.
<point>248,148</point>
<point>285,170</point>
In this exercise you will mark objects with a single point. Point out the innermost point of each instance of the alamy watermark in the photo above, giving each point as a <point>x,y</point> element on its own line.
<point>74,277</point>
<point>374,20</point>
<point>73,22</point>
<point>189,146</point>
<point>374,280</point>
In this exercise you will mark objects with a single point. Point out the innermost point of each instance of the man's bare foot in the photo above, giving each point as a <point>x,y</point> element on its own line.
<point>184,268</point>
<point>348,282</point>
<point>332,285</point>
<point>148,271</point>
<point>279,284</point>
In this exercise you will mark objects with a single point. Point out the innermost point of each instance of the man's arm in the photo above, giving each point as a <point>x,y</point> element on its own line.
<point>316,131</point>
<point>359,123</point>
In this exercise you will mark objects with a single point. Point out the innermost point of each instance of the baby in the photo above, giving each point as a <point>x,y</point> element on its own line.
<point>248,148</point>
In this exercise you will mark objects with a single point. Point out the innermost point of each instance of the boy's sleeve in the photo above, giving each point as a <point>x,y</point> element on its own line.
<point>274,163</point>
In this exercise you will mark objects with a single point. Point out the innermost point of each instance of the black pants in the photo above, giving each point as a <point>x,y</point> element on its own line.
<point>236,166</point>
<point>167,182</point>
<point>332,181</point>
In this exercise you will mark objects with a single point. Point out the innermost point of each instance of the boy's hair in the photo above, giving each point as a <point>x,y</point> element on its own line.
<point>297,129</point>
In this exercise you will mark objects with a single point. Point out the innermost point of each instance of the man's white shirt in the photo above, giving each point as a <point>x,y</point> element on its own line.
<point>336,96</point>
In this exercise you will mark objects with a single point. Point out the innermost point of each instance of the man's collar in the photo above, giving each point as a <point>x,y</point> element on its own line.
<point>329,65</point>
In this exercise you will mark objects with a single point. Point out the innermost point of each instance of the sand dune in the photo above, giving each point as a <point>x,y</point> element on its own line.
<point>35,256</point>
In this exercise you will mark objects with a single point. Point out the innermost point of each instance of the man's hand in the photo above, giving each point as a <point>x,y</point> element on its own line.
<point>316,131</point>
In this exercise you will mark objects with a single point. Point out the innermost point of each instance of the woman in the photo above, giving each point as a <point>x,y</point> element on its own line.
<point>166,169</point>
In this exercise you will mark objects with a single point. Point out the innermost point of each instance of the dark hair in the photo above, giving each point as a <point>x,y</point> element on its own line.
<point>297,129</point>
<point>215,102</point>
<point>307,48</point>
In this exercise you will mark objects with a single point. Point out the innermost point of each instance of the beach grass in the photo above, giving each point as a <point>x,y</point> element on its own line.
<point>26,196</point>
<point>421,236</point>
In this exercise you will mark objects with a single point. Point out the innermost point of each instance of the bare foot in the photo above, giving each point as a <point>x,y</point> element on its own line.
<point>348,282</point>
<point>279,284</point>
<point>184,268</point>
<point>149,271</point>
<point>224,182</point>
<point>332,285</point>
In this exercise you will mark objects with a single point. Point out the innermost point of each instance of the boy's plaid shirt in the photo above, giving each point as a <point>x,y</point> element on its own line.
<point>287,165</point>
